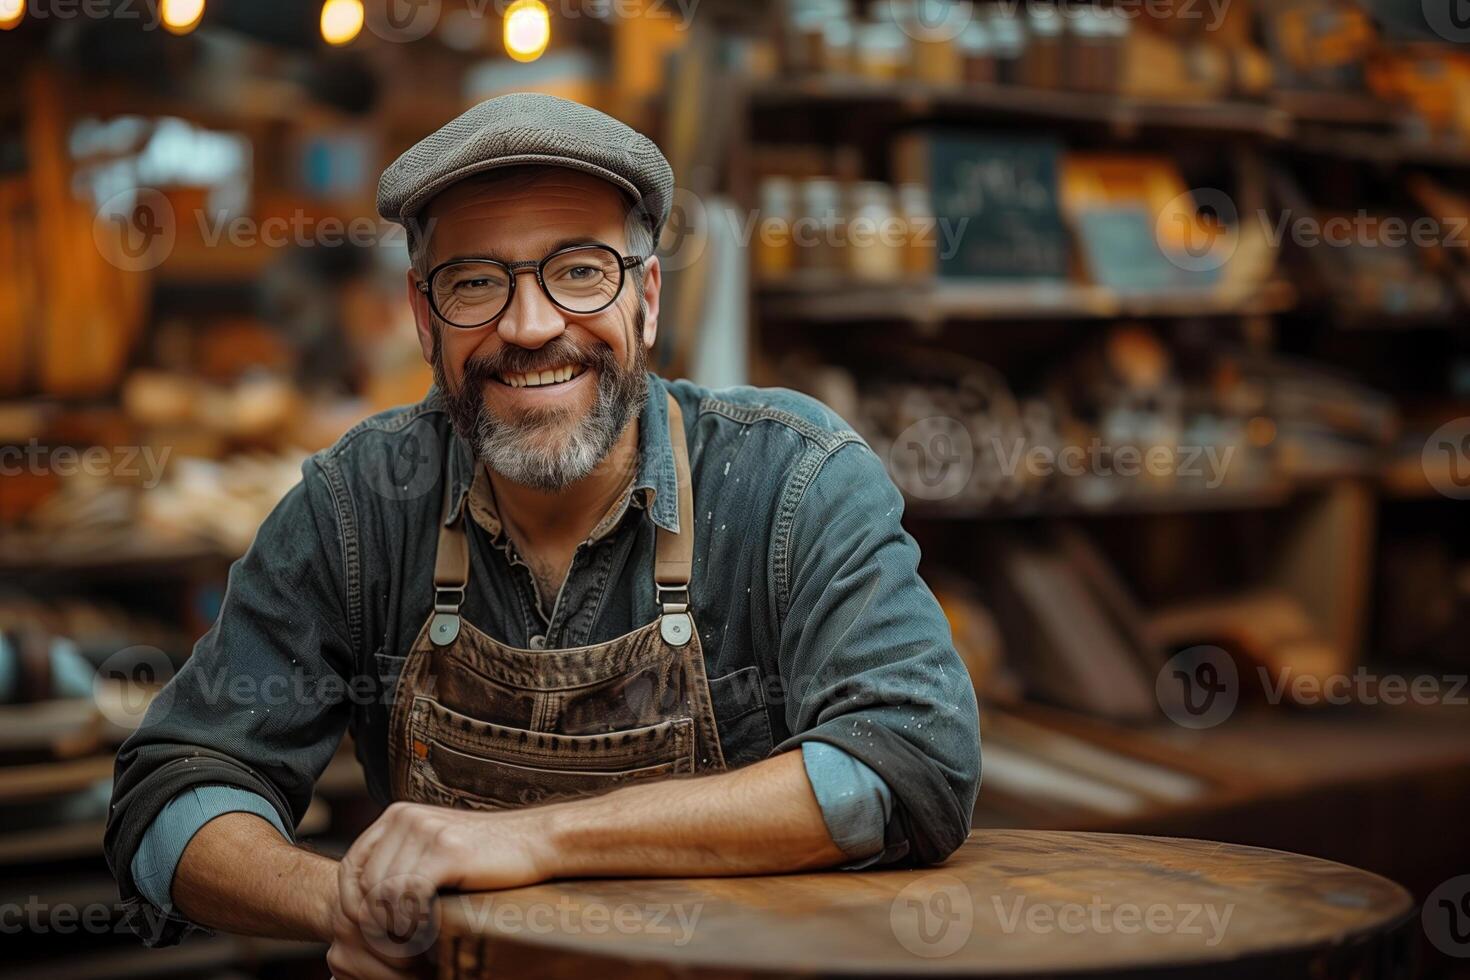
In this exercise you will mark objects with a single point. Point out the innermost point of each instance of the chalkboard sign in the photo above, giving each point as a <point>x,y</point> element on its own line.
<point>997,203</point>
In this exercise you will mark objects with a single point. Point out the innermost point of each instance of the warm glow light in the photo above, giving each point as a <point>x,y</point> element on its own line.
<point>341,20</point>
<point>527,29</point>
<point>11,13</point>
<point>181,16</point>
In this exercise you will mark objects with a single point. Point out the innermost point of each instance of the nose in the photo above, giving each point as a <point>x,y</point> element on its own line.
<point>531,319</point>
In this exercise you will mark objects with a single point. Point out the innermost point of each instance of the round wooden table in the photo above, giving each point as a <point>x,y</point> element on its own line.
<point>1007,904</point>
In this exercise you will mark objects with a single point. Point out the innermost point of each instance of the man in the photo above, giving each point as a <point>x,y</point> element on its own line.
<point>612,625</point>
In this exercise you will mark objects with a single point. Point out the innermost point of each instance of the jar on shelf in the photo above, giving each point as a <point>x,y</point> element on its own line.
<point>1008,42</point>
<point>875,237</point>
<point>1042,64</point>
<point>976,47</point>
<point>921,231</point>
<point>838,48</point>
<point>818,226</point>
<point>1087,39</point>
<point>775,252</point>
<point>935,26</point>
<point>807,29</point>
<point>882,50</point>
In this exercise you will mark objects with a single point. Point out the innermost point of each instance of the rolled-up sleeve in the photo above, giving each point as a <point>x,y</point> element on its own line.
<point>867,660</point>
<point>262,702</point>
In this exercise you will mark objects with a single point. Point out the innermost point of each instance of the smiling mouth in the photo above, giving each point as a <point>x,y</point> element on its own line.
<point>541,379</point>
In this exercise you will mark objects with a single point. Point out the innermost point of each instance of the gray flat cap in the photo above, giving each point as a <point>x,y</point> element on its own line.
<point>528,128</point>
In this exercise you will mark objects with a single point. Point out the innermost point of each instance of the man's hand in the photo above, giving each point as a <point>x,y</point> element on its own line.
<point>368,953</point>
<point>758,820</point>
<point>391,874</point>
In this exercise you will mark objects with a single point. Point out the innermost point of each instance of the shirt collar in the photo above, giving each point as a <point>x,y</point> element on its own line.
<point>655,484</point>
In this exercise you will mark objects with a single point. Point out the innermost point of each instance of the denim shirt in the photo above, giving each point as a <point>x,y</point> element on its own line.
<point>814,622</point>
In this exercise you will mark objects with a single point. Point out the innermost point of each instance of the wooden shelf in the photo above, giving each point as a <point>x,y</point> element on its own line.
<point>843,301</point>
<point>1196,501</point>
<point>1331,124</point>
<point>1121,113</point>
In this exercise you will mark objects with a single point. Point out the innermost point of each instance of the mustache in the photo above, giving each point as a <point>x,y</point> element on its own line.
<point>516,360</point>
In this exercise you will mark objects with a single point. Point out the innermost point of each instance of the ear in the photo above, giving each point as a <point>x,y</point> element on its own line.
<point>652,282</point>
<point>423,316</point>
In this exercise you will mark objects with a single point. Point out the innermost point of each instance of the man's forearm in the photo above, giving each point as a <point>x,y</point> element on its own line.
<point>756,820</point>
<point>761,819</point>
<point>239,874</point>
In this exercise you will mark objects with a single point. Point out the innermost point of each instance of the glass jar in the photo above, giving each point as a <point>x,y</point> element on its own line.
<point>875,236</point>
<point>921,232</point>
<point>818,226</point>
<point>882,51</point>
<point>977,54</point>
<point>775,253</point>
<point>1008,42</point>
<point>1042,65</point>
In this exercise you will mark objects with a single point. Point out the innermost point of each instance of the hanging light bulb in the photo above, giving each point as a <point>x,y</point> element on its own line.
<point>181,16</point>
<point>12,12</point>
<point>527,29</point>
<point>341,21</point>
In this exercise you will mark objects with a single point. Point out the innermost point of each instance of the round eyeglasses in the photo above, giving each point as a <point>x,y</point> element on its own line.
<point>580,279</point>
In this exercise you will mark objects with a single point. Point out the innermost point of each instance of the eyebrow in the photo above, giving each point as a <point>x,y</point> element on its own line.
<point>502,257</point>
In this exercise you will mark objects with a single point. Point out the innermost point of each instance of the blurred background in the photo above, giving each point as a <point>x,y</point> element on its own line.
<point>1155,308</point>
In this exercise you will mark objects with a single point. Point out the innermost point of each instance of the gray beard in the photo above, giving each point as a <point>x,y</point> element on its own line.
<point>518,451</point>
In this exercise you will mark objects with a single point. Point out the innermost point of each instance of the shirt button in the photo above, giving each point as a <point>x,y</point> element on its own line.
<point>538,642</point>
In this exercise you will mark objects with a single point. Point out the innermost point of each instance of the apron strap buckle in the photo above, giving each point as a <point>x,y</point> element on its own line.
<point>672,604</point>
<point>445,605</point>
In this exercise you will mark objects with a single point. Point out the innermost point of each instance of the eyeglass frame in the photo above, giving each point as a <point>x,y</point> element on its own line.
<point>514,269</point>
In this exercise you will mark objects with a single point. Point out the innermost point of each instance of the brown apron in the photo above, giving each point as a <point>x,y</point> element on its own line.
<point>482,725</point>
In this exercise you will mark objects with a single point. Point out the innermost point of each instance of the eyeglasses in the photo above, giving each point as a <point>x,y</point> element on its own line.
<point>581,279</point>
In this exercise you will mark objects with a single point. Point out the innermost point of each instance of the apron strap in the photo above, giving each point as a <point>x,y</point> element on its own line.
<point>674,553</point>
<point>451,571</point>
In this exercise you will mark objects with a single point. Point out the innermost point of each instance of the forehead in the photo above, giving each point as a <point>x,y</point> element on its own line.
<point>523,213</point>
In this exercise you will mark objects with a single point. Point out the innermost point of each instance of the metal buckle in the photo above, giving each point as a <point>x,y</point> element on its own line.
<point>443,606</point>
<point>673,607</point>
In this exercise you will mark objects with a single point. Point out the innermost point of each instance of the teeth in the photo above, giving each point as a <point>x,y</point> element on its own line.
<point>537,378</point>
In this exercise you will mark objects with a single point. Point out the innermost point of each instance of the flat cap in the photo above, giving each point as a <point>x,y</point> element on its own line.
<point>529,128</point>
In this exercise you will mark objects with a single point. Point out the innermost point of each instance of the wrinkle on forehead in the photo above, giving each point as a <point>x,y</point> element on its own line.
<point>522,214</point>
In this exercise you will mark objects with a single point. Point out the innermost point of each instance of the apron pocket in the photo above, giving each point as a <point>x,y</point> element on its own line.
<point>516,767</point>
<point>510,785</point>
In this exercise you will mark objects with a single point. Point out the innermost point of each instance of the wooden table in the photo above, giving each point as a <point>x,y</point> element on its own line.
<point>1007,904</point>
